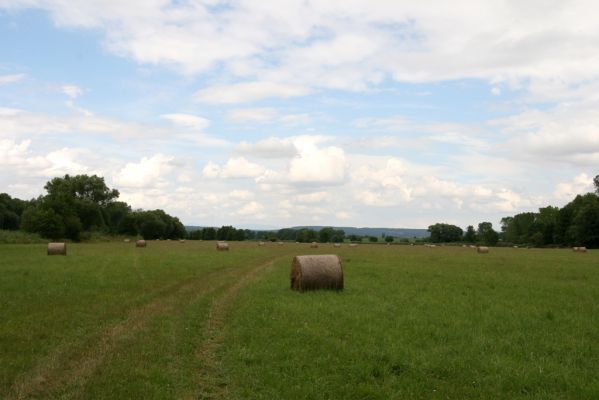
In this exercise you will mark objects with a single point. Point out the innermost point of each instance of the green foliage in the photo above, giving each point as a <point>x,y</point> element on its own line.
<point>470,235</point>
<point>445,233</point>
<point>389,239</point>
<point>328,235</point>
<point>373,239</point>
<point>486,234</point>
<point>10,212</point>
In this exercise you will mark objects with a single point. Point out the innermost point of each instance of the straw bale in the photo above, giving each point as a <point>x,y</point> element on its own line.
<point>312,272</point>
<point>222,246</point>
<point>57,249</point>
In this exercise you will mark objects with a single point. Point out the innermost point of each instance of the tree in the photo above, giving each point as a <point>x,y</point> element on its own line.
<point>470,235</point>
<point>150,225</point>
<point>445,233</point>
<point>389,239</point>
<point>596,183</point>
<point>46,222</point>
<point>486,234</point>
<point>373,239</point>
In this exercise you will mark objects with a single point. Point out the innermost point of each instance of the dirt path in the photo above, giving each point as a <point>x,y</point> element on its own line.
<point>211,383</point>
<point>72,365</point>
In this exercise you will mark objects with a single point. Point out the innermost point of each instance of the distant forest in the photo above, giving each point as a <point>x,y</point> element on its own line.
<point>77,206</point>
<point>575,224</point>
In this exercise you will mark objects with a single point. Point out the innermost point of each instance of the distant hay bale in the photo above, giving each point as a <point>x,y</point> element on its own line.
<point>57,249</point>
<point>472,246</point>
<point>313,245</point>
<point>353,245</point>
<point>261,244</point>
<point>140,243</point>
<point>314,272</point>
<point>579,249</point>
<point>280,243</point>
<point>222,246</point>
<point>181,240</point>
<point>482,249</point>
<point>337,245</point>
<point>127,240</point>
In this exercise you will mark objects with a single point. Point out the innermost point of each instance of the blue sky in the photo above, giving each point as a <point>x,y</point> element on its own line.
<point>289,113</point>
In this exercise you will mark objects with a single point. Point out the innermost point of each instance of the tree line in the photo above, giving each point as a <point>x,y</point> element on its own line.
<point>575,224</point>
<point>75,206</point>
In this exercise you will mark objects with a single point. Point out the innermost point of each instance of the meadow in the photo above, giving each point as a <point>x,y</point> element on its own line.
<point>183,321</point>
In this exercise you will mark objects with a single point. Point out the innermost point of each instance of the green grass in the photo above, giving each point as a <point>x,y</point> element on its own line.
<point>180,320</point>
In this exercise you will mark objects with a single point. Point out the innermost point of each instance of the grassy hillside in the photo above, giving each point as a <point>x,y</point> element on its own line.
<point>180,320</point>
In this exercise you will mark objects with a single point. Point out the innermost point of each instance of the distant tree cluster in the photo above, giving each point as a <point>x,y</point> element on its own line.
<point>575,224</point>
<point>78,204</point>
<point>222,233</point>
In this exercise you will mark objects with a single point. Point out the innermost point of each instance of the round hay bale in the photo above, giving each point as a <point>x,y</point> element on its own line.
<point>261,244</point>
<point>222,246</point>
<point>181,240</point>
<point>580,249</point>
<point>353,245</point>
<point>316,272</point>
<point>57,249</point>
<point>140,243</point>
<point>127,240</point>
<point>337,245</point>
<point>313,245</point>
<point>482,249</point>
<point>280,243</point>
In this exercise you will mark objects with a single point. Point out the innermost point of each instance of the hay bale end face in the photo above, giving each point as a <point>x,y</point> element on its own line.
<point>314,272</point>
<point>57,249</point>
<point>222,246</point>
<point>482,249</point>
<point>140,243</point>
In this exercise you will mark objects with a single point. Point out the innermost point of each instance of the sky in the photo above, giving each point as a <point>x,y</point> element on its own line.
<point>285,113</point>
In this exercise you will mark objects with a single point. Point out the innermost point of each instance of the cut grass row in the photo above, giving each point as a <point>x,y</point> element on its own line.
<point>180,320</point>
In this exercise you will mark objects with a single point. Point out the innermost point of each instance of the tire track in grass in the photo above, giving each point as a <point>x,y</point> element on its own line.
<point>72,366</point>
<point>211,383</point>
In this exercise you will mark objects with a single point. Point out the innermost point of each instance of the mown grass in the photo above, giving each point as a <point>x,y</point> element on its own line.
<point>179,320</point>
<point>413,322</point>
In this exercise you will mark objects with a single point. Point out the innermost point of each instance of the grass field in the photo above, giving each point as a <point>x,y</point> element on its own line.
<point>182,321</point>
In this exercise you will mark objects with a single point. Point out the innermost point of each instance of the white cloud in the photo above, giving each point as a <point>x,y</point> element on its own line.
<point>72,91</point>
<point>241,115</point>
<point>312,198</point>
<point>187,120</point>
<point>317,165</point>
<point>251,208</point>
<point>6,79</point>
<point>238,167</point>
<point>148,172</point>
<point>566,191</point>
<point>248,92</point>
<point>240,194</point>
<point>268,148</point>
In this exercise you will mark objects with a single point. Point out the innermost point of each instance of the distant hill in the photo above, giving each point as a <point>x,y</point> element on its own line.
<point>350,230</point>
<point>378,232</point>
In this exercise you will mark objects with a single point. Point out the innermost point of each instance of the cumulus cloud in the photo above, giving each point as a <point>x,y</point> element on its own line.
<point>566,191</point>
<point>317,165</point>
<point>234,168</point>
<point>148,172</point>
